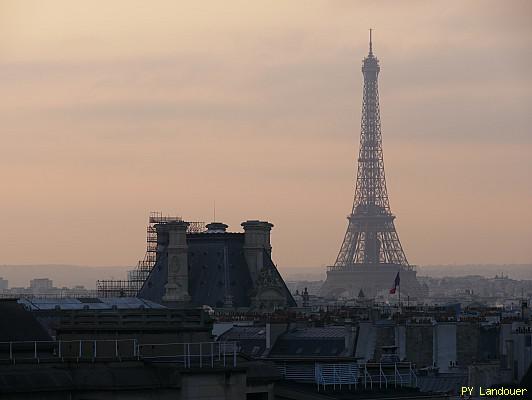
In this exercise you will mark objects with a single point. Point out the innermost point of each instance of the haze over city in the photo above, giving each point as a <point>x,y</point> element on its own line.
<point>114,110</point>
<point>266,200</point>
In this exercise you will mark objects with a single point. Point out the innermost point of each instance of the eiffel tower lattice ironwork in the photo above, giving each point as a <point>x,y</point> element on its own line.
<point>371,237</point>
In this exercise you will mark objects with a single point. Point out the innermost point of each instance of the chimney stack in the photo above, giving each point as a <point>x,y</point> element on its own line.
<point>216,227</point>
<point>172,240</point>
<point>525,313</point>
<point>256,242</point>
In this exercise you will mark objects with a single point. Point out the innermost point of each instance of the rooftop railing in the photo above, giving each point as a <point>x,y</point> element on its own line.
<point>350,374</point>
<point>186,355</point>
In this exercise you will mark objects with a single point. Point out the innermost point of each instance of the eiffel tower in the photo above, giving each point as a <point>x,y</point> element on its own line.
<point>371,253</point>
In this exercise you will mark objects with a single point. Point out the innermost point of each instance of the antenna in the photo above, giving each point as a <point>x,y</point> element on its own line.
<point>214,211</point>
<point>370,42</point>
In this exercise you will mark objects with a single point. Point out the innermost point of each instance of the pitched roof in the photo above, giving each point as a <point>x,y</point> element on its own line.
<point>19,324</point>
<point>270,266</point>
<point>244,332</point>
<point>311,342</point>
<point>217,268</point>
<point>441,383</point>
<point>251,339</point>
<point>325,333</point>
<point>91,303</point>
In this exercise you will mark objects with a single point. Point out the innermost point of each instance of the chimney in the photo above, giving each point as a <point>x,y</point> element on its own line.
<point>350,340</point>
<point>273,331</point>
<point>525,313</point>
<point>256,242</point>
<point>172,240</point>
<point>306,298</point>
<point>216,227</point>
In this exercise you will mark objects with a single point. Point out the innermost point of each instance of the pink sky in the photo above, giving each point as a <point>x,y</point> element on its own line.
<point>113,109</point>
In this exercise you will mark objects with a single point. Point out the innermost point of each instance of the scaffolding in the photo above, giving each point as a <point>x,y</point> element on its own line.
<point>136,278</point>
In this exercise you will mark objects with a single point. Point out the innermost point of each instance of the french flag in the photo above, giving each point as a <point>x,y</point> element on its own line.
<point>396,283</point>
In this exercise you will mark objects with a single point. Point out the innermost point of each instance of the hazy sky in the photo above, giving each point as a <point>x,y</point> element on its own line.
<point>110,109</point>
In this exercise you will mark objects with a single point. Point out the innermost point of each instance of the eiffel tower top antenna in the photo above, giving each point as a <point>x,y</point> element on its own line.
<point>370,43</point>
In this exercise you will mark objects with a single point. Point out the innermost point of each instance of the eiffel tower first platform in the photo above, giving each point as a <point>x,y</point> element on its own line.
<point>371,254</point>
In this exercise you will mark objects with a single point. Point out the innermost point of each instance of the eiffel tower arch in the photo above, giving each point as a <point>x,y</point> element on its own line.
<point>371,254</point>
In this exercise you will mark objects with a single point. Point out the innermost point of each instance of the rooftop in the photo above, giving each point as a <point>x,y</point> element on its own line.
<point>88,303</point>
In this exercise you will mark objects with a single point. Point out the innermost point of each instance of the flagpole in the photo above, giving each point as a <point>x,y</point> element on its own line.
<point>399,273</point>
<point>399,320</point>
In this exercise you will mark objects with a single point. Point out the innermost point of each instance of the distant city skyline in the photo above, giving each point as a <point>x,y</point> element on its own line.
<point>117,109</point>
<point>73,275</point>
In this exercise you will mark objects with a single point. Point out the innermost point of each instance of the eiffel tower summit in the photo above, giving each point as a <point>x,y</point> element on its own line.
<point>371,255</point>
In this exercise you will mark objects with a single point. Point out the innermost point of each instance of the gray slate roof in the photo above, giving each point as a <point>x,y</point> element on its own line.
<point>251,340</point>
<point>311,342</point>
<point>245,332</point>
<point>17,323</point>
<point>446,383</point>
<point>91,303</point>
<point>329,332</point>
<point>217,268</point>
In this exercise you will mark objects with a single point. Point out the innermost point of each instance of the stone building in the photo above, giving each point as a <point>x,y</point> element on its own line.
<point>120,349</point>
<point>216,268</point>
